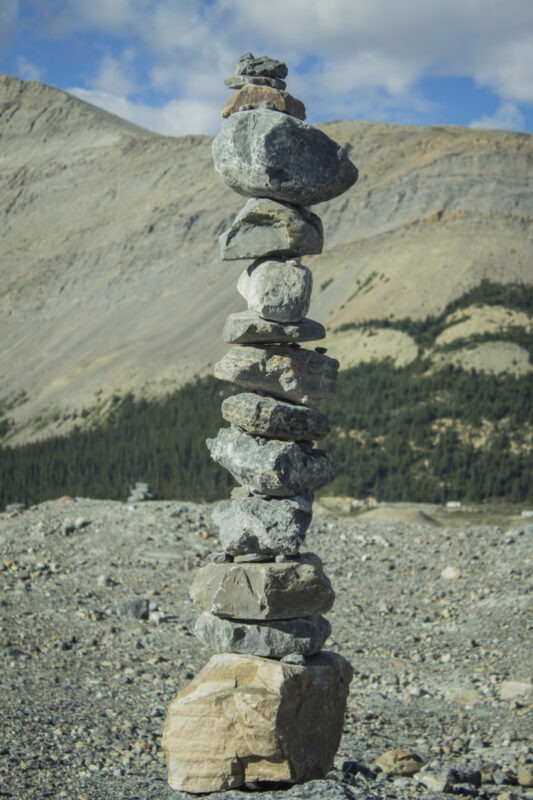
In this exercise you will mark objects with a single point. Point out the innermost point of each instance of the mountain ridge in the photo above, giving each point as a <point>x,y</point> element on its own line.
<point>109,260</point>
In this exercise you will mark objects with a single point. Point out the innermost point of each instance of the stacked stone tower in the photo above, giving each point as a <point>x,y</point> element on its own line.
<point>269,706</point>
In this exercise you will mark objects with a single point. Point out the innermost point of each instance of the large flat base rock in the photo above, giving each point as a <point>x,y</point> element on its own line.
<point>245,720</point>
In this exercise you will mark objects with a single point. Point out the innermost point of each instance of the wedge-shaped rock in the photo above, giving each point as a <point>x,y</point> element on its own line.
<point>248,64</point>
<point>266,525</point>
<point>252,96</point>
<point>297,374</point>
<point>275,639</point>
<point>263,153</point>
<point>274,419</point>
<point>245,719</point>
<point>270,466</point>
<point>266,228</point>
<point>277,290</point>
<point>263,591</point>
<point>246,327</point>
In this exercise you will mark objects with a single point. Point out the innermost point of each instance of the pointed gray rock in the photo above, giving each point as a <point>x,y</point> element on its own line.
<point>262,153</point>
<point>291,373</point>
<point>263,591</point>
<point>269,466</point>
<point>266,228</point>
<point>248,64</point>
<point>247,327</point>
<point>277,290</point>
<point>276,639</point>
<point>266,525</point>
<point>266,416</point>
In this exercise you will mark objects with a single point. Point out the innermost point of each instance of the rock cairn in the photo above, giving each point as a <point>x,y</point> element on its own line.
<point>269,706</point>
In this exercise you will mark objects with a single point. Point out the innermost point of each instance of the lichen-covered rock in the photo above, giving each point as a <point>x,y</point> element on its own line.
<point>247,327</point>
<point>266,525</point>
<point>262,153</point>
<point>266,227</point>
<point>277,290</point>
<point>245,719</point>
<point>265,416</point>
<point>264,590</point>
<point>275,639</point>
<point>269,466</point>
<point>296,374</point>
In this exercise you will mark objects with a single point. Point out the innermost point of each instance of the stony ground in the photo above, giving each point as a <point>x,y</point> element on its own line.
<point>96,639</point>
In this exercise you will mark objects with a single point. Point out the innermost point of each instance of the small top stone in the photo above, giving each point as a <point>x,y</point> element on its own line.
<point>262,66</point>
<point>261,71</point>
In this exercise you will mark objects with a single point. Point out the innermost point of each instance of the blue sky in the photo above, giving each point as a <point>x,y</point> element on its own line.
<point>162,63</point>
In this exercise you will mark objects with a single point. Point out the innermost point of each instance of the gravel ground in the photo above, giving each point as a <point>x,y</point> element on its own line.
<point>432,611</point>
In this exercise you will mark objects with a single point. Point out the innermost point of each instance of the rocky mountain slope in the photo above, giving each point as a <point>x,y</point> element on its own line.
<point>109,264</point>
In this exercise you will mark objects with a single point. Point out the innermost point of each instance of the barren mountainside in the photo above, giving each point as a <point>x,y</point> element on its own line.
<point>110,272</point>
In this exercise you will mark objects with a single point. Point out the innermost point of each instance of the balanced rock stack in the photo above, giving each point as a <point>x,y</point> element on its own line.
<point>269,707</point>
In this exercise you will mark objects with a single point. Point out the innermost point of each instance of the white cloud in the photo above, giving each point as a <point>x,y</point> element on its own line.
<point>175,118</point>
<point>116,75</point>
<point>506,117</point>
<point>28,71</point>
<point>8,24</point>
<point>508,69</point>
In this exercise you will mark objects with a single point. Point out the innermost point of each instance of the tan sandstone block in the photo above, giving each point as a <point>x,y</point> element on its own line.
<point>245,719</point>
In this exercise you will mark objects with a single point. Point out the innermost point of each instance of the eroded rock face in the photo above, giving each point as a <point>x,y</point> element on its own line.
<point>269,466</point>
<point>263,153</point>
<point>277,290</point>
<point>296,374</point>
<point>263,591</point>
<point>247,327</point>
<point>265,228</point>
<point>274,419</point>
<point>268,526</point>
<point>245,719</point>
<point>277,639</point>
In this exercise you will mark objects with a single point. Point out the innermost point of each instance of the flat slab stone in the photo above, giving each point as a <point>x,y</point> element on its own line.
<point>297,374</point>
<point>262,153</point>
<point>244,720</point>
<point>263,591</point>
<point>276,639</point>
<point>266,227</point>
<point>269,466</point>
<point>247,327</point>
<point>265,416</point>
<point>238,81</point>
<point>277,290</point>
<point>265,525</point>
<point>252,96</point>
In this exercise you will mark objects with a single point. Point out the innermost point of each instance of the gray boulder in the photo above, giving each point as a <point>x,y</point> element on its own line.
<point>276,639</point>
<point>263,591</point>
<point>274,419</point>
<point>269,466</point>
<point>266,525</point>
<point>291,373</point>
<point>262,153</point>
<point>246,327</point>
<point>265,227</point>
<point>248,64</point>
<point>277,290</point>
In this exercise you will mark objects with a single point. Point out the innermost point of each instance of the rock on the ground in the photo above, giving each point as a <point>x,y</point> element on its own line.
<point>263,153</point>
<point>267,721</point>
